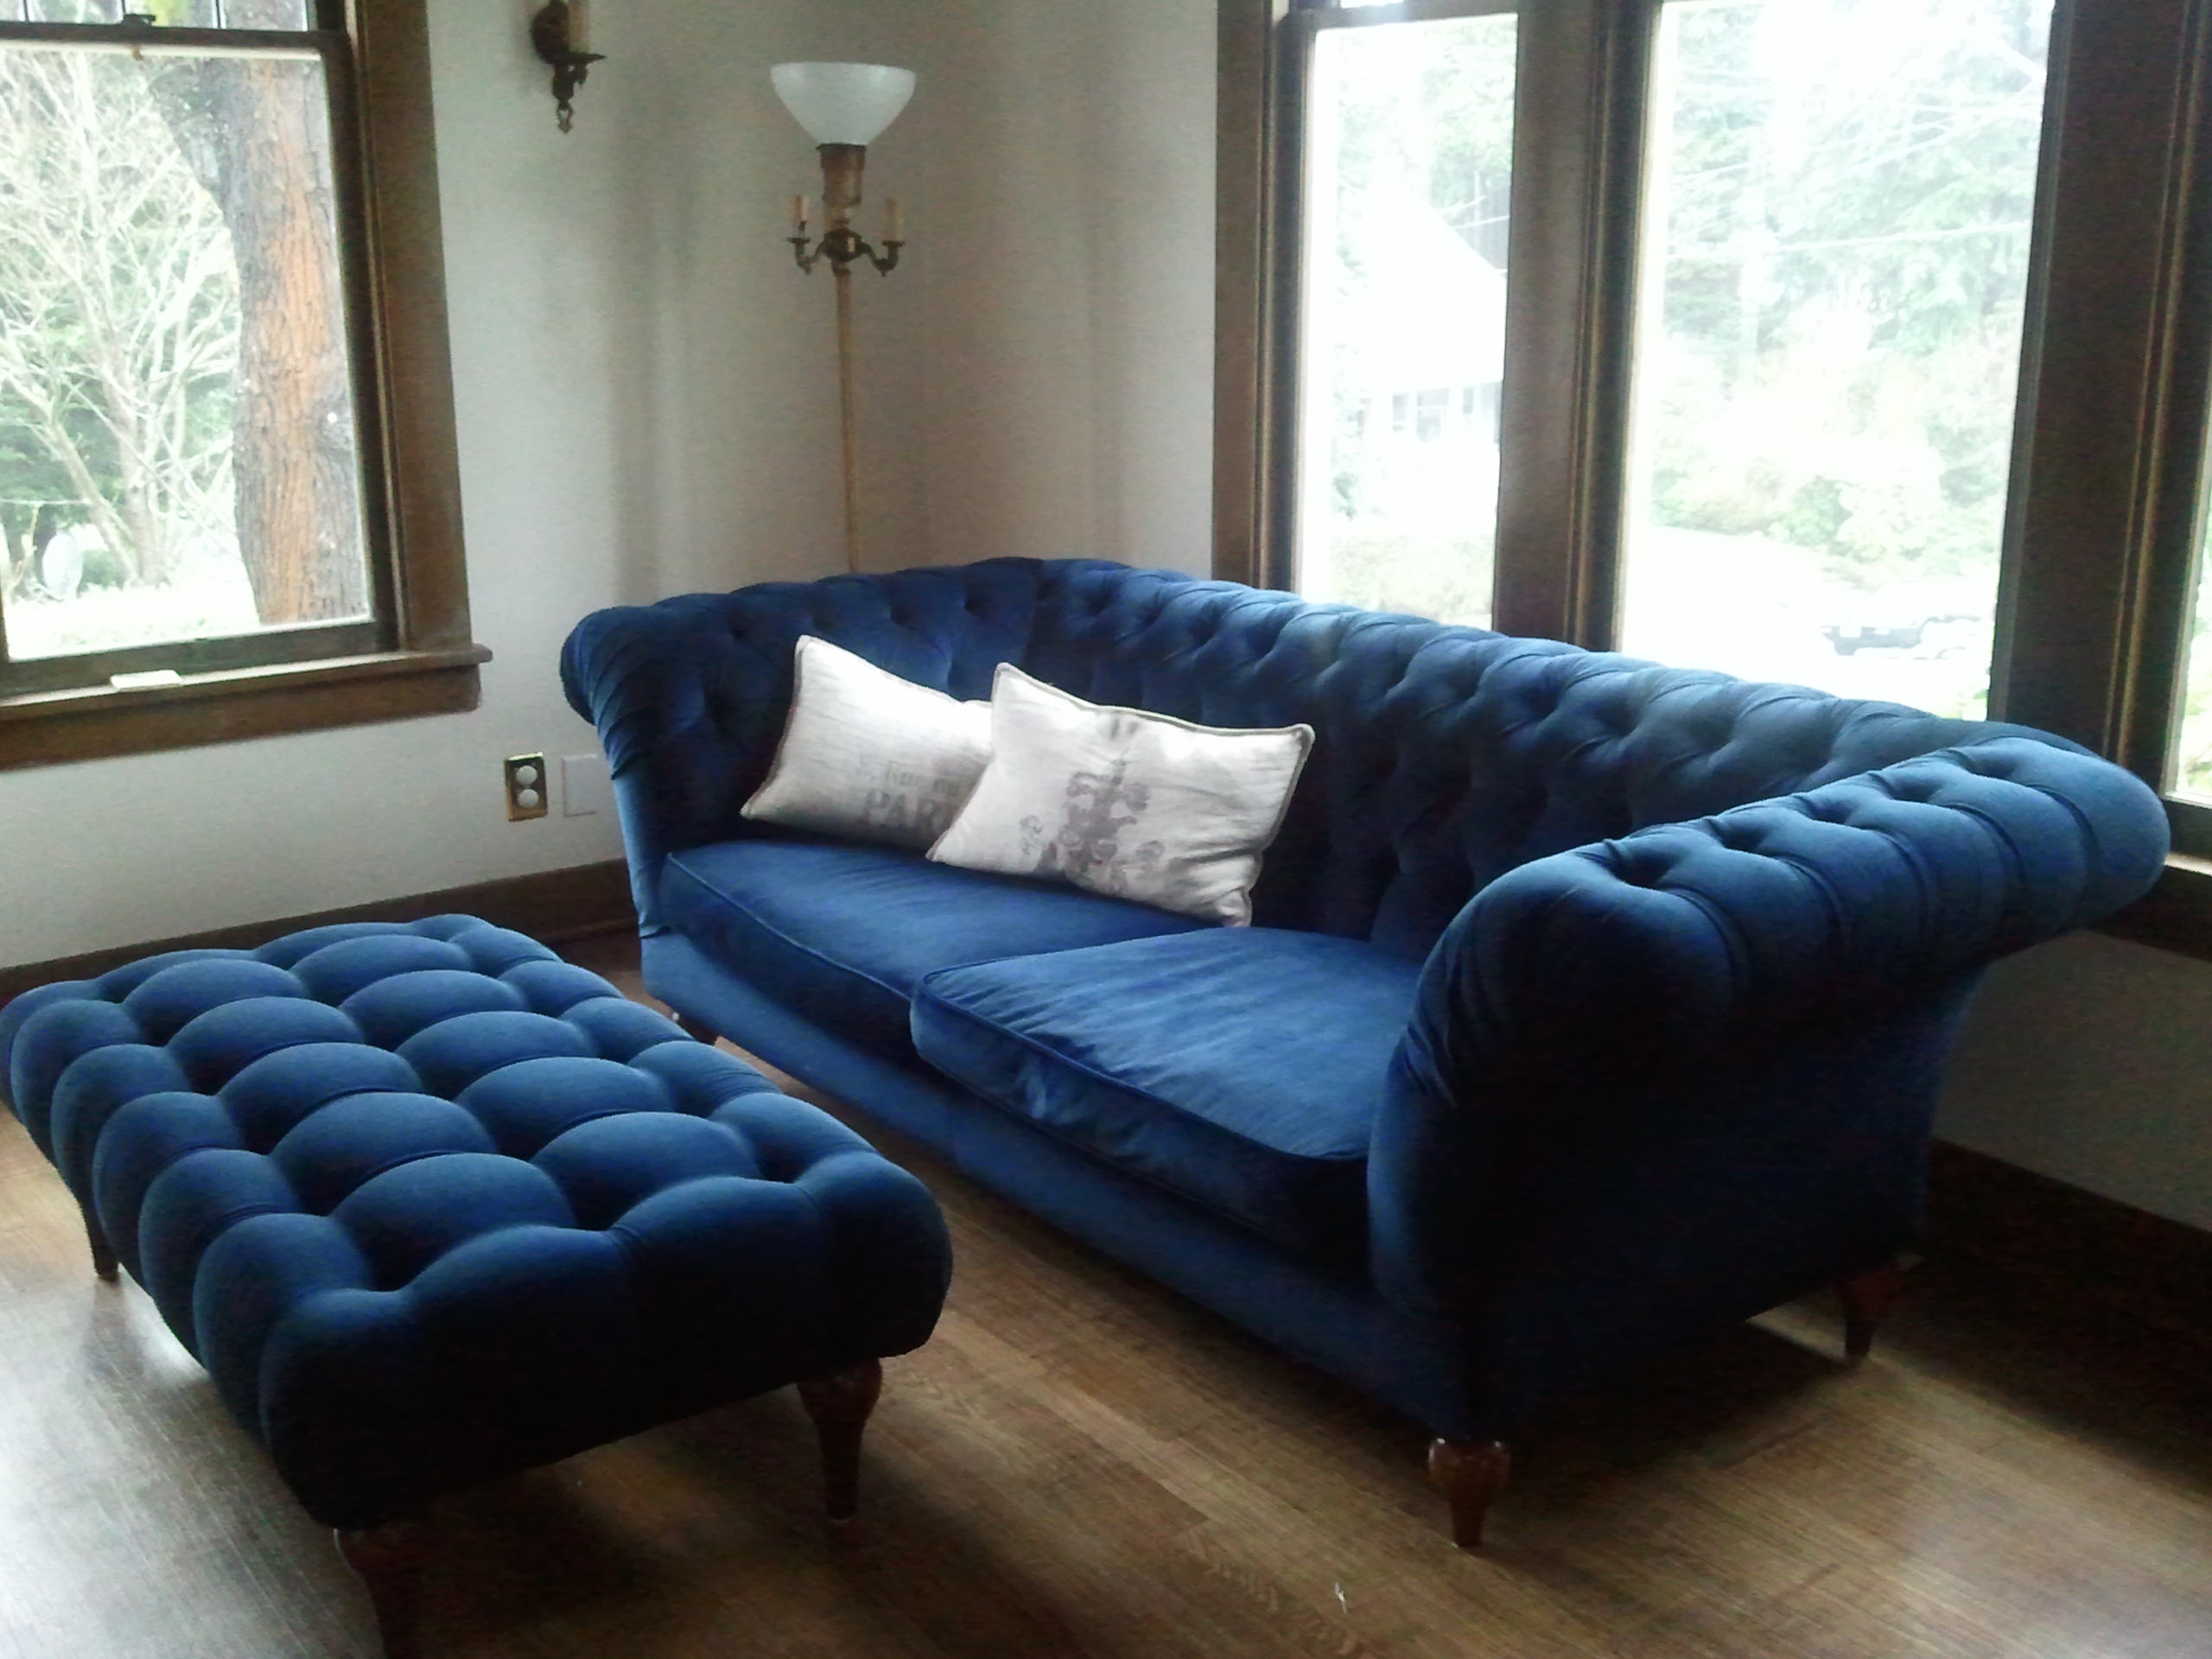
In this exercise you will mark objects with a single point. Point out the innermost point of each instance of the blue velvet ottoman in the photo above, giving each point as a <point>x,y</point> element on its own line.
<point>432,1206</point>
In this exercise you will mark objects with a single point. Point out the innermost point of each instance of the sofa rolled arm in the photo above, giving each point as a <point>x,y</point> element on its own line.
<point>1665,946</point>
<point>689,695</point>
<point>1596,975</point>
<point>688,708</point>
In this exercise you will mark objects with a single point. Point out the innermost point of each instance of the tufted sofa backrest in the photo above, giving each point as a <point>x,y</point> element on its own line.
<point>1444,756</point>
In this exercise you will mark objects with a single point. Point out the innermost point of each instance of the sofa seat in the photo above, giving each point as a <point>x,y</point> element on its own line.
<point>1238,1067</point>
<point>845,933</point>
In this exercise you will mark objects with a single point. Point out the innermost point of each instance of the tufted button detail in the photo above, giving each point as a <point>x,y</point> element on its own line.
<point>1444,757</point>
<point>432,1204</point>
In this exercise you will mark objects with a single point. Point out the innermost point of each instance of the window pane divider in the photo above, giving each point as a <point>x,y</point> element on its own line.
<point>2074,647</point>
<point>367,665</point>
<point>161,37</point>
<point>274,648</point>
<point>1570,311</point>
<point>1407,11</point>
<point>87,722</point>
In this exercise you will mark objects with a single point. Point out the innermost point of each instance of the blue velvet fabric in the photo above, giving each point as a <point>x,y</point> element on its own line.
<point>432,1206</point>
<point>1443,756</point>
<point>1238,1067</point>
<point>905,1094</point>
<point>1686,956</point>
<point>1696,949</point>
<point>846,933</point>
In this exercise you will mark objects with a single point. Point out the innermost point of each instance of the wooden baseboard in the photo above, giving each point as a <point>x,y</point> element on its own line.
<point>554,906</point>
<point>2070,1241</point>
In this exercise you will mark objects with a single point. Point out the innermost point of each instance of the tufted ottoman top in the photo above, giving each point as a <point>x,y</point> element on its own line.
<point>432,1204</point>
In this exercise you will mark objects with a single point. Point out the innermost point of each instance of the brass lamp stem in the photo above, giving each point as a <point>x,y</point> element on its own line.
<point>842,166</point>
<point>848,416</point>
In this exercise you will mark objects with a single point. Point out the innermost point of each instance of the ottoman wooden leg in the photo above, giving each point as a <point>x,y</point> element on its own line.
<point>389,1561</point>
<point>839,1404</point>
<point>104,1262</point>
<point>698,1030</point>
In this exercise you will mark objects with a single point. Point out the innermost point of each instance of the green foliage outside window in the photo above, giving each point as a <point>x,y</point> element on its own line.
<point>1847,249</point>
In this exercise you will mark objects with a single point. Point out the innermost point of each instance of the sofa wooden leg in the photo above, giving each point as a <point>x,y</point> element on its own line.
<point>1470,1473</point>
<point>698,1030</point>
<point>839,1404</point>
<point>104,1262</point>
<point>389,1561</point>
<point>1866,1297</point>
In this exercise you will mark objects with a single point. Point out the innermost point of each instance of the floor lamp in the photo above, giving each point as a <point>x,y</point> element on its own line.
<point>843,107</point>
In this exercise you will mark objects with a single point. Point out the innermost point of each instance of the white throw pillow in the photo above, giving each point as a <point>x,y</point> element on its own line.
<point>869,756</point>
<point>1123,801</point>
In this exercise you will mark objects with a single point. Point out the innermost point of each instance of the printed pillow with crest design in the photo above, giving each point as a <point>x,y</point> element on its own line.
<point>1125,802</point>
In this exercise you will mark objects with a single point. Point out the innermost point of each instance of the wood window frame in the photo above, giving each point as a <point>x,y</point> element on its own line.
<point>1577,147</point>
<point>2110,475</point>
<point>416,657</point>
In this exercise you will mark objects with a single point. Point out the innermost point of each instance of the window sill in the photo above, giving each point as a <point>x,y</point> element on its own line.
<point>2176,915</point>
<point>90,722</point>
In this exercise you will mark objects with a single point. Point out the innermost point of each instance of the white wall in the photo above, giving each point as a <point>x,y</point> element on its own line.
<point>2088,1059</point>
<point>1067,277</point>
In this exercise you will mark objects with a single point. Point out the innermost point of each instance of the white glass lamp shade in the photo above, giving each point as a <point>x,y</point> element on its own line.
<point>842,103</point>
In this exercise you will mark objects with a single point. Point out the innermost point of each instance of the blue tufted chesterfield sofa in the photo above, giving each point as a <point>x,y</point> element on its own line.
<point>1590,1005</point>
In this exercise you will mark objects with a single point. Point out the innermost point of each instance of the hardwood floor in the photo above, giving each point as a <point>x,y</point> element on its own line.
<point>1083,1463</point>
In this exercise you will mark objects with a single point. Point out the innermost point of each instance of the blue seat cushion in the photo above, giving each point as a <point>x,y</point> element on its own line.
<point>1239,1067</point>
<point>845,933</point>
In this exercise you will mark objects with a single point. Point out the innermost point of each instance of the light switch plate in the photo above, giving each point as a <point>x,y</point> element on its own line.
<point>585,789</point>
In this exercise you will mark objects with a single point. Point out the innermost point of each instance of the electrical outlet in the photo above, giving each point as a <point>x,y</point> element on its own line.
<point>525,786</point>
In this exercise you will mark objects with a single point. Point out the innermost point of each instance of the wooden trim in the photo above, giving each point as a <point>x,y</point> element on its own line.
<point>552,905</point>
<point>1241,264</point>
<point>153,38</point>
<point>93,722</point>
<point>304,643</point>
<point>2176,915</point>
<point>1289,87</point>
<point>2156,645</point>
<point>1408,11</point>
<point>399,163</point>
<point>1578,147</point>
<point>2092,494</point>
<point>2062,1239</point>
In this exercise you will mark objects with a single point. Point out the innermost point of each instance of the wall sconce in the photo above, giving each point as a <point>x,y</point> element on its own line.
<point>843,107</point>
<point>560,34</point>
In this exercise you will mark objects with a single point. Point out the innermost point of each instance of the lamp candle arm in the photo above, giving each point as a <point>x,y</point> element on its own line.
<point>841,168</point>
<point>842,248</point>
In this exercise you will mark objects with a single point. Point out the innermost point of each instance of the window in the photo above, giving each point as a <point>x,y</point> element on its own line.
<point>1859,343</point>
<point>1408,160</point>
<point>225,455</point>
<point>1837,200</point>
